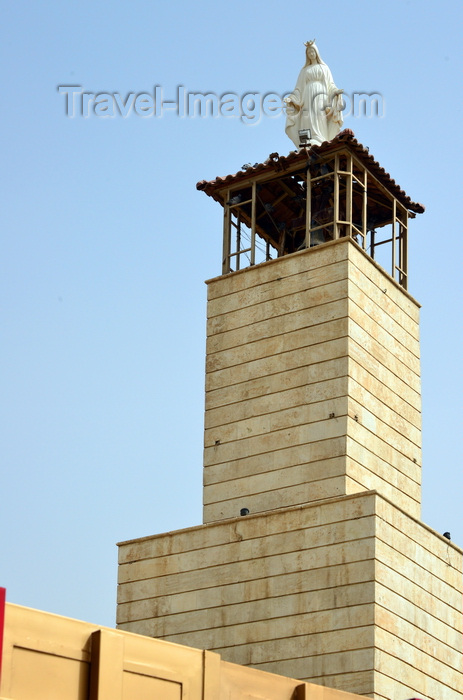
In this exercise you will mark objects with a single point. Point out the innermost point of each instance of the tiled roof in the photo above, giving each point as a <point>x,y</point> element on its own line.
<point>277,163</point>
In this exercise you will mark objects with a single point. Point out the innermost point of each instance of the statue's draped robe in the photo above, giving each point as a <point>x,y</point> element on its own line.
<point>313,94</point>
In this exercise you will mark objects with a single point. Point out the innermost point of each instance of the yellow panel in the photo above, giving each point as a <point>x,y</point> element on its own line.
<point>140,687</point>
<point>38,675</point>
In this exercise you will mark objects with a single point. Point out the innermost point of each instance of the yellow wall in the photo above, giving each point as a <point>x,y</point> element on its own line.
<point>47,657</point>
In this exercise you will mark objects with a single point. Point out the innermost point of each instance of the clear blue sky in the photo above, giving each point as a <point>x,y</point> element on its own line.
<point>105,244</point>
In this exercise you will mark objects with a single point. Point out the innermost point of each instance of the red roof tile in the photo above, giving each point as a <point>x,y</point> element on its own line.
<point>276,163</point>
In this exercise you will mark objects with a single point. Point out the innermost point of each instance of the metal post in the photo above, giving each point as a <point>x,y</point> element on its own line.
<point>394,215</point>
<point>253,224</point>
<point>308,208</point>
<point>404,264</point>
<point>336,198</point>
<point>226,236</point>
<point>364,209</point>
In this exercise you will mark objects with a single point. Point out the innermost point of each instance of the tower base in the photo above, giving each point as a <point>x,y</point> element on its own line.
<point>348,592</point>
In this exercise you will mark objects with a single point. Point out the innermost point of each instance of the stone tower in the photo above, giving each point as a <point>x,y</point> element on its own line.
<point>312,561</point>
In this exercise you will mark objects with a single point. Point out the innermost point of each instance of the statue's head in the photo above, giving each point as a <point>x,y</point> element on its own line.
<point>311,52</point>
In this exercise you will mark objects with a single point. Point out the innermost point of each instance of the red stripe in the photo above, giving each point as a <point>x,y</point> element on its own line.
<point>2,623</point>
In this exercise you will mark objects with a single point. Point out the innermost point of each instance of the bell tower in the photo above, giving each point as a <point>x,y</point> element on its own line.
<point>312,561</point>
<point>312,371</point>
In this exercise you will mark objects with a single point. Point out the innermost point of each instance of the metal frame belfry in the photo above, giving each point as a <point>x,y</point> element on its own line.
<point>318,199</point>
<point>244,228</point>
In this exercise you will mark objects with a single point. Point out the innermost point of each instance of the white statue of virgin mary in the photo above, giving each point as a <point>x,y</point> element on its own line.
<point>315,102</point>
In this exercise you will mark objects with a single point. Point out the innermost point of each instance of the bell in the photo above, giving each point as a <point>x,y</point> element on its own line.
<point>317,237</point>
